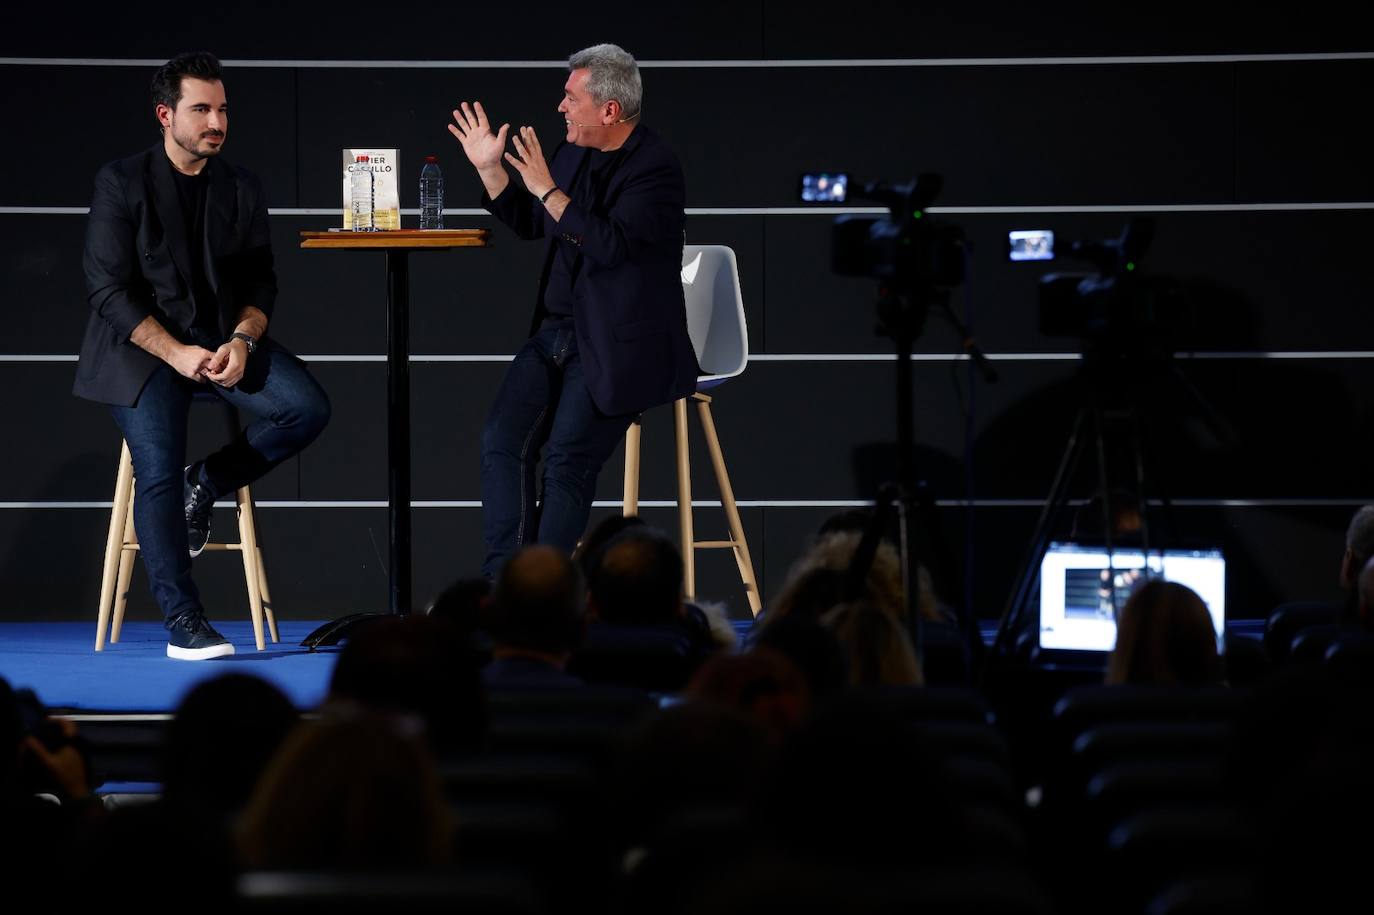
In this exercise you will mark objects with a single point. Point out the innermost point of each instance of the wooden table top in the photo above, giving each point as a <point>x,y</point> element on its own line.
<point>397,238</point>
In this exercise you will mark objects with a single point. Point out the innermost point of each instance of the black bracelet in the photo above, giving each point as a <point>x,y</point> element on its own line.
<point>547,195</point>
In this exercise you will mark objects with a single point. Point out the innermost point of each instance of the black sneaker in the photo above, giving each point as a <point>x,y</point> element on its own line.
<point>191,638</point>
<point>200,505</point>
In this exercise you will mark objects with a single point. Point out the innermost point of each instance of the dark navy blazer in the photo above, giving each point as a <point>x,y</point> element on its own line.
<point>137,263</point>
<point>629,312</point>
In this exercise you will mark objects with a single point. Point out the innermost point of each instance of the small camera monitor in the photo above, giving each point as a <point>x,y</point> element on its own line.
<point>824,187</point>
<point>1083,588</point>
<point>1030,245</point>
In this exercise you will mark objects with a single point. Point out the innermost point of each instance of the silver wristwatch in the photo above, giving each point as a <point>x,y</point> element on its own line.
<point>246,338</point>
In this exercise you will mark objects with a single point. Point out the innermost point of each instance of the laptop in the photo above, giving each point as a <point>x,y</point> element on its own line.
<point>1082,590</point>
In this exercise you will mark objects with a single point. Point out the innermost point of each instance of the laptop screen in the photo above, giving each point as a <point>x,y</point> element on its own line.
<point>1077,610</point>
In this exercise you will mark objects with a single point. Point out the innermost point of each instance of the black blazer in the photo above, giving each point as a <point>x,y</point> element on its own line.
<point>629,312</point>
<point>137,263</point>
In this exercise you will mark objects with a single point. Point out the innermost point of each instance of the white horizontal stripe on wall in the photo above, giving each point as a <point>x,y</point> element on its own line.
<point>743,503</point>
<point>731,64</point>
<point>19,358</point>
<point>1050,209</point>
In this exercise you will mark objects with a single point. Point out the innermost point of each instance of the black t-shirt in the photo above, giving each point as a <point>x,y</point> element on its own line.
<point>191,193</point>
<point>567,262</point>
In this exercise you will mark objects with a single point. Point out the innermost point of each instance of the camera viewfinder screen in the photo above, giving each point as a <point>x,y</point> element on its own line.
<point>1030,245</point>
<point>824,187</point>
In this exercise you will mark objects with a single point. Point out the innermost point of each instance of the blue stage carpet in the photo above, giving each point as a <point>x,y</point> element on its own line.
<point>59,662</point>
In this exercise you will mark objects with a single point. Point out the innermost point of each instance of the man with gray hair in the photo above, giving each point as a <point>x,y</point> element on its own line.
<point>609,336</point>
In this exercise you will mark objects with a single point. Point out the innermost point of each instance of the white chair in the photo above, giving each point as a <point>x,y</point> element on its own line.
<point>715,320</point>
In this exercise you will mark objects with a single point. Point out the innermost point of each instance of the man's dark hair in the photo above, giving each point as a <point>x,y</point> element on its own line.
<point>638,579</point>
<point>166,87</point>
<point>539,602</point>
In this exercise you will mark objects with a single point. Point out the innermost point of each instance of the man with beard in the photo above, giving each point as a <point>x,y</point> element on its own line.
<point>181,285</point>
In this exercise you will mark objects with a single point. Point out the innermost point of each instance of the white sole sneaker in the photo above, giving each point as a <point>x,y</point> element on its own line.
<point>200,654</point>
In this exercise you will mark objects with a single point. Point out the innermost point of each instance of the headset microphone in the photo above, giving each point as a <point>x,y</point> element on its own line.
<point>621,121</point>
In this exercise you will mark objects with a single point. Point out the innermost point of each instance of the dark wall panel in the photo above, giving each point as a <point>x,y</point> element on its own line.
<point>73,120</point>
<point>1260,281</point>
<point>710,29</point>
<point>1302,134</point>
<point>1193,133</point>
<point>1124,134</point>
<point>270,29</point>
<point>1263,280</point>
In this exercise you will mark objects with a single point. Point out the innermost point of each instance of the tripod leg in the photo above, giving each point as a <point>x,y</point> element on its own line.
<point>1142,505</point>
<point>1068,466</point>
<point>1104,486</point>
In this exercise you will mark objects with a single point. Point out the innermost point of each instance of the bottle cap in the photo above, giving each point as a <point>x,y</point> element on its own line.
<point>431,158</point>
<point>362,159</point>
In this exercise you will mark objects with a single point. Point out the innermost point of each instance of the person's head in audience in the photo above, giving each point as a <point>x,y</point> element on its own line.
<point>810,595</point>
<point>354,791</point>
<point>1366,590</point>
<point>11,735</point>
<point>762,683</point>
<point>589,550</point>
<point>812,648</point>
<point>420,665</point>
<point>1359,549</point>
<point>876,646</point>
<point>538,609</point>
<point>462,603</point>
<point>856,521</point>
<point>820,572</point>
<point>220,740</point>
<point>637,580</point>
<point>1165,637</point>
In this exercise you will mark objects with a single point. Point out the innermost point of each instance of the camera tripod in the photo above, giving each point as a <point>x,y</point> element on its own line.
<point>1109,427</point>
<point>902,319</point>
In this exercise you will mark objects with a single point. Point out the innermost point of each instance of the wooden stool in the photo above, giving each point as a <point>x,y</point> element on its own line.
<point>690,545</point>
<point>122,543</point>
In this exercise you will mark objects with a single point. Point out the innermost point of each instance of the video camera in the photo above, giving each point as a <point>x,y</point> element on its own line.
<point>906,250</point>
<point>1116,311</point>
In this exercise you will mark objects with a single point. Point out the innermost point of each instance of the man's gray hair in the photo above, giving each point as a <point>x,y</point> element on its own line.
<point>1359,538</point>
<point>614,75</point>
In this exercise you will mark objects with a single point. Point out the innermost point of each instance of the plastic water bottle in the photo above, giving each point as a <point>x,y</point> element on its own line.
<point>431,195</point>
<point>361,195</point>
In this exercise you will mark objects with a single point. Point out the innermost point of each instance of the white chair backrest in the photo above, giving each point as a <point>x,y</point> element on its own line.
<point>715,310</point>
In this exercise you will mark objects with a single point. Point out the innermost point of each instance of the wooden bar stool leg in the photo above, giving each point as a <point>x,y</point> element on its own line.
<point>128,550</point>
<point>727,500</point>
<point>684,502</point>
<point>264,594</point>
<point>114,547</point>
<point>248,548</point>
<point>262,589</point>
<point>632,437</point>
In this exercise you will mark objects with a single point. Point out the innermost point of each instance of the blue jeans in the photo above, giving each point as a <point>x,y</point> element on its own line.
<point>290,409</point>
<point>543,403</point>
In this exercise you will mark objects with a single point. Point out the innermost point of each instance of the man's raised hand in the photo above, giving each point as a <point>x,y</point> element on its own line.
<point>482,147</point>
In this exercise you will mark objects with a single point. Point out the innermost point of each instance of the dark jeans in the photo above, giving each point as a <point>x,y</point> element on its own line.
<point>543,403</point>
<point>290,409</point>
